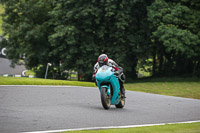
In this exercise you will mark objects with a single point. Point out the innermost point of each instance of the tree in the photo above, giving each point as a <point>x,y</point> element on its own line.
<point>26,26</point>
<point>72,34</point>
<point>85,29</point>
<point>175,35</point>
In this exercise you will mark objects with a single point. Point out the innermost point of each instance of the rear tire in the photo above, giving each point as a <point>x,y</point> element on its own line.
<point>121,104</point>
<point>105,99</point>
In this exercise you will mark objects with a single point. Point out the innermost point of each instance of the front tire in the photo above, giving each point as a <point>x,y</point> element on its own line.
<point>105,99</point>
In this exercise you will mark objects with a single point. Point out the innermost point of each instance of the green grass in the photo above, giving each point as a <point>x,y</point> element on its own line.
<point>181,87</point>
<point>38,81</point>
<point>168,128</point>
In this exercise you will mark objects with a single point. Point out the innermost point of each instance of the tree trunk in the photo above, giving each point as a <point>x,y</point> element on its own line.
<point>79,77</point>
<point>154,64</point>
<point>160,64</point>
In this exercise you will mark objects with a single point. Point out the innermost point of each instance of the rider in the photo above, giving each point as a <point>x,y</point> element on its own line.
<point>104,60</point>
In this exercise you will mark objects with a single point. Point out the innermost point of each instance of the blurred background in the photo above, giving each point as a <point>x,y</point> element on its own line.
<point>148,38</point>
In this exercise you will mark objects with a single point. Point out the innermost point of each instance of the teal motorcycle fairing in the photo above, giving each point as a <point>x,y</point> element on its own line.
<point>105,78</point>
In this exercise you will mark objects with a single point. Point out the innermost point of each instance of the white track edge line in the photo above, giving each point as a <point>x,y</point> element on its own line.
<point>109,127</point>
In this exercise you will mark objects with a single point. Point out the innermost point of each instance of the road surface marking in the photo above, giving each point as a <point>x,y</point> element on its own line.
<point>109,127</point>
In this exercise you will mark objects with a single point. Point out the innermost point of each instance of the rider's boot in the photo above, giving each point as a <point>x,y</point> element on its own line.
<point>122,90</point>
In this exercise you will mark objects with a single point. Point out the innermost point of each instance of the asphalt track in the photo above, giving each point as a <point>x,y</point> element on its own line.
<point>41,108</point>
<point>6,69</point>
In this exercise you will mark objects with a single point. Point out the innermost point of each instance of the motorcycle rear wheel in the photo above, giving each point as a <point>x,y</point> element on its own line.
<point>105,99</point>
<point>121,104</point>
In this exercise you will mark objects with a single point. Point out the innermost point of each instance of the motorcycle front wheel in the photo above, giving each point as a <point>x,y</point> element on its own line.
<point>105,99</point>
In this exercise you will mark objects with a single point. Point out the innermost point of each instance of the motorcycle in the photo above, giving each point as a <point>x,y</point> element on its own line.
<point>109,87</point>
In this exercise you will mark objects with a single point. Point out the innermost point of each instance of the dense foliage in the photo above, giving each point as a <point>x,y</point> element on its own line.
<point>72,34</point>
<point>175,36</point>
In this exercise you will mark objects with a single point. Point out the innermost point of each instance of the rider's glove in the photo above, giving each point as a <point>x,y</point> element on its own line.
<point>117,73</point>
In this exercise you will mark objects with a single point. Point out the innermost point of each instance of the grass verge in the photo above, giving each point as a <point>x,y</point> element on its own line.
<point>168,128</point>
<point>38,81</point>
<point>181,87</point>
